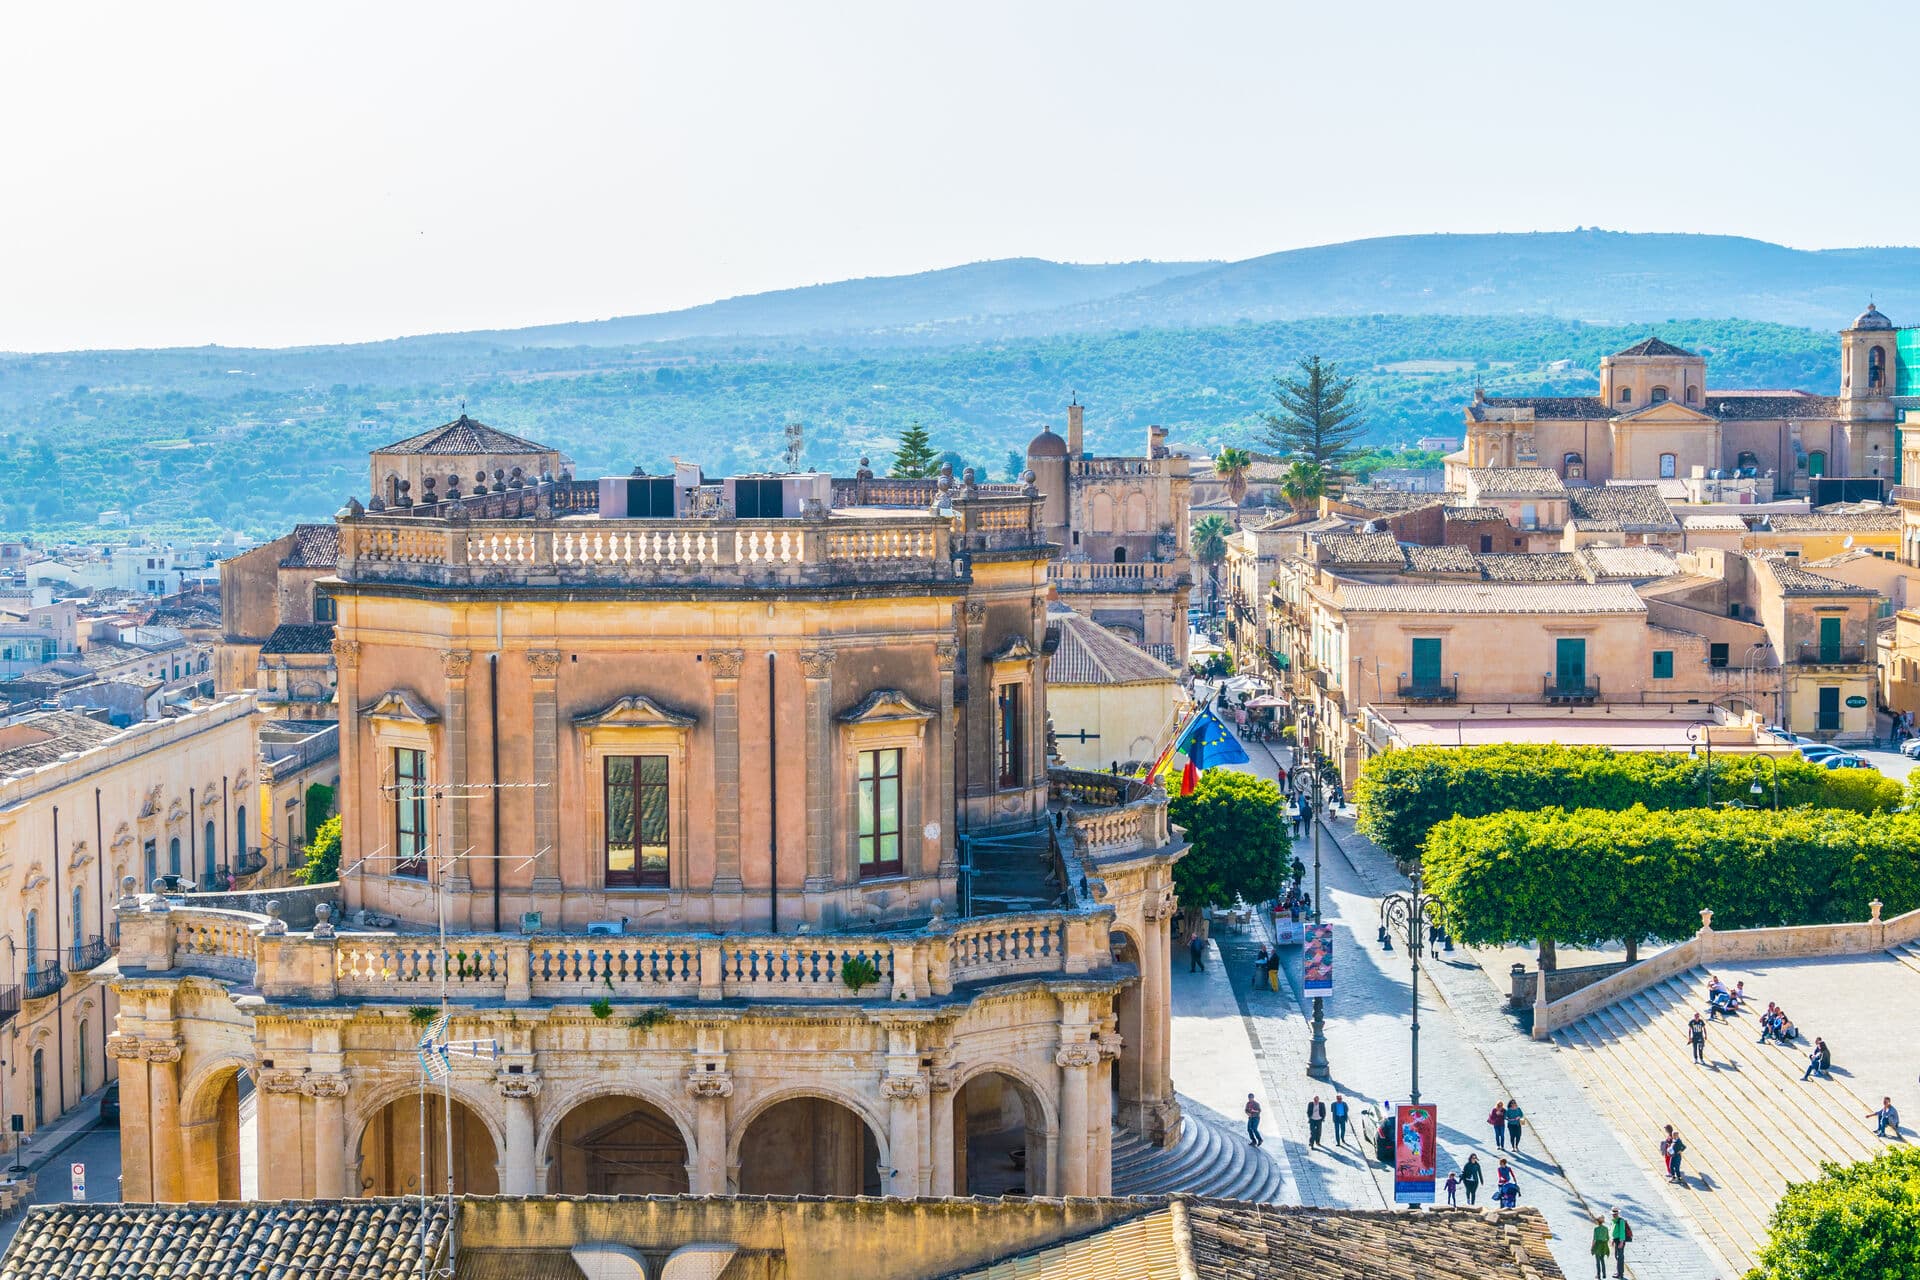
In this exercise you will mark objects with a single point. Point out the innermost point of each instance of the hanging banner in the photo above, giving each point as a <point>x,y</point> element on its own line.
<point>1317,961</point>
<point>1416,1152</point>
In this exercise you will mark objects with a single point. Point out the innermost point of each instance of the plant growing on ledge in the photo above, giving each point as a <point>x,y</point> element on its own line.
<point>858,972</point>
<point>601,1009</point>
<point>323,855</point>
<point>421,1014</point>
<point>647,1019</point>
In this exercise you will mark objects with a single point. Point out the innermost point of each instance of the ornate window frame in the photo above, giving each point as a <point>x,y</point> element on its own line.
<point>636,725</point>
<point>401,721</point>
<point>884,720</point>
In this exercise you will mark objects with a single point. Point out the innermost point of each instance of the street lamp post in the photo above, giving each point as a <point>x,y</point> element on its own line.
<point>1416,913</point>
<point>1317,1066</point>
<point>1697,734</point>
<point>1774,766</point>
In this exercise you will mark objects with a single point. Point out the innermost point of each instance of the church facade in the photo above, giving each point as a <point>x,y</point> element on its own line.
<point>1656,418</point>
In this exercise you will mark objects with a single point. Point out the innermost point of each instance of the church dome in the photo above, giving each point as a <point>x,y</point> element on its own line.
<point>1871,319</point>
<point>1046,445</point>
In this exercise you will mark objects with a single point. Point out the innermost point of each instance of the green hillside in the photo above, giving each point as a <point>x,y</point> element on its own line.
<point>193,439</point>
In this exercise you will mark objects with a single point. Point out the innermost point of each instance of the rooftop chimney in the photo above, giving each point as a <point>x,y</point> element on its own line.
<point>1074,446</point>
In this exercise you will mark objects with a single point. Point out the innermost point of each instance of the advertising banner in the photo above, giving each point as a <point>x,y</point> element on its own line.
<point>1317,960</point>
<point>1416,1152</point>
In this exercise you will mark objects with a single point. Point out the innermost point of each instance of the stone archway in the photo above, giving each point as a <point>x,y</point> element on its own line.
<point>1000,1137</point>
<point>390,1149</point>
<point>210,1136</point>
<point>617,1144</point>
<point>809,1145</point>
<point>1130,1068</point>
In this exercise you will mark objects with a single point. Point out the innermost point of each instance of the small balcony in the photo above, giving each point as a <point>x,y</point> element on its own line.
<point>84,957</point>
<point>1447,690</point>
<point>1564,692</point>
<point>249,861</point>
<point>1831,655</point>
<point>44,976</point>
<point>9,1003</point>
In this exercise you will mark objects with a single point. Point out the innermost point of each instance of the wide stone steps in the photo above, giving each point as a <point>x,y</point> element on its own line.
<point>1751,1125</point>
<point>1908,954</point>
<point>1211,1158</point>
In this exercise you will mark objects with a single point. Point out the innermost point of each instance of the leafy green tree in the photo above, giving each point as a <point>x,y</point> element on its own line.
<point>1854,1222</point>
<point>1319,417</point>
<point>1240,842</point>
<point>1303,485</point>
<point>319,808</point>
<point>323,855</point>
<point>1210,535</point>
<point>915,459</point>
<point>1016,464</point>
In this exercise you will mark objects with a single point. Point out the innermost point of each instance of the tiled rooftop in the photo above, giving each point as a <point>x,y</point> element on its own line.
<point>1476,515</point>
<point>1441,560</point>
<point>315,546</point>
<point>1539,566</point>
<point>1518,482</point>
<point>296,637</point>
<point>1388,501</point>
<point>1236,1241</point>
<point>1634,508</point>
<point>42,738</point>
<point>1629,562</point>
<point>1091,654</point>
<point>1732,523</point>
<point>1793,404</point>
<point>1553,406</point>
<point>1795,581</point>
<point>464,436</point>
<point>1454,597</point>
<point>1654,346</point>
<point>1360,548</point>
<point>1828,520</point>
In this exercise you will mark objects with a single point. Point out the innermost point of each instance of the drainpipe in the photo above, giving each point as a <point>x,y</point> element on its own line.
<point>60,996</point>
<point>493,746</point>
<point>773,803</point>
<point>100,861</point>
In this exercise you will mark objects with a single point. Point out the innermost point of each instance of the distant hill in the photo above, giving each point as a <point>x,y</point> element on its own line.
<point>1606,277</point>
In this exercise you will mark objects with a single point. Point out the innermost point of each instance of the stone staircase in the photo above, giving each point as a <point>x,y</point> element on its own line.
<point>1907,954</point>
<point>1751,1126</point>
<point>1211,1158</point>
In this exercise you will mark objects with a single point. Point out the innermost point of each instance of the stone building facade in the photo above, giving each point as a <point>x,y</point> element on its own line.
<point>704,802</point>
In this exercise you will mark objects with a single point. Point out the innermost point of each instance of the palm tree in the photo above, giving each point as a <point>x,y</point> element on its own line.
<point>1233,466</point>
<point>1210,534</point>
<point>1304,484</point>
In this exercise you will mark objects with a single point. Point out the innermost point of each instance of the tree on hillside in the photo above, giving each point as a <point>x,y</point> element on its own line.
<point>1210,535</point>
<point>1853,1222</point>
<point>915,459</point>
<point>1319,420</point>
<point>1240,847</point>
<point>1016,464</point>
<point>1233,466</point>
<point>1303,485</point>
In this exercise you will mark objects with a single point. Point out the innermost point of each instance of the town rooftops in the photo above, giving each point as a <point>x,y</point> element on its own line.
<point>1656,347</point>
<point>1455,597</point>
<point>1515,482</point>
<point>1838,519</point>
<point>1539,566</point>
<point>315,546</point>
<point>1629,562</point>
<point>464,436</point>
<point>358,1239</point>
<point>298,637</point>
<point>1629,508</point>
<point>1441,560</point>
<point>1360,549</point>
<point>1544,406</point>
<point>1387,501</point>
<point>1706,523</point>
<point>1475,515</point>
<point>43,737</point>
<point>1795,581</point>
<point>1766,406</point>
<point>1091,654</point>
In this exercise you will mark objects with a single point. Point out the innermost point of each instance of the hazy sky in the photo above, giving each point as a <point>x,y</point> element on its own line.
<point>267,174</point>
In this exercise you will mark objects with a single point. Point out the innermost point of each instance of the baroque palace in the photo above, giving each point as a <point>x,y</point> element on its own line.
<point>733,801</point>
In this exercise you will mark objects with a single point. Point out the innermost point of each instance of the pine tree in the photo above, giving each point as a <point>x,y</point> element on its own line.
<point>915,459</point>
<point>1319,421</point>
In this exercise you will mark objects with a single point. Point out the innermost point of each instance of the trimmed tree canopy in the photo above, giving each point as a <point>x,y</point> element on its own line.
<point>1853,1222</point>
<point>1402,794</point>
<point>1239,838</point>
<point>1594,875</point>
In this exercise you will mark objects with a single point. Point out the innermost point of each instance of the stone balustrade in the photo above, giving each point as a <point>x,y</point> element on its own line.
<point>1099,575</point>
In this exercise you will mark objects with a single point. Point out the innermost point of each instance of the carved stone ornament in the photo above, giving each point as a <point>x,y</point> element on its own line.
<point>943,1079</point>
<point>818,663</point>
<point>1077,1055</point>
<point>976,612</point>
<point>709,1084</point>
<point>634,711</point>
<point>123,1047</point>
<point>402,706</point>
<point>945,656</point>
<point>328,1085</point>
<point>454,662</point>
<point>886,706</point>
<point>1111,1045</point>
<point>346,654</point>
<point>523,1085</point>
<point>725,663</point>
<point>281,1081</point>
<point>904,1088</point>
<point>160,1050</point>
<point>544,663</point>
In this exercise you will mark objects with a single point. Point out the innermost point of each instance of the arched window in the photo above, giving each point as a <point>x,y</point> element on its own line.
<point>1119,555</point>
<point>1573,467</point>
<point>1659,395</point>
<point>1669,466</point>
<point>1693,395</point>
<point>210,857</point>
<point>1626,395</point>
<point>173,856</point>
<point>1876,366</point>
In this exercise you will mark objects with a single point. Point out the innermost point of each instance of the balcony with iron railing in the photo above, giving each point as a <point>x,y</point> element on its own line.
<point>84,957</point>
<point>1564,691</point>
<point>1430,690</point>
<point>44,975</point>
<point>9,1002</point>
<point>249,861</point>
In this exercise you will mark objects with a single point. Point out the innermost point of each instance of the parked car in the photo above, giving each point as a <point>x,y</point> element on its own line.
<point>1911,748</point>
<point>1844,760</point>
<point>1817,751</point>
<point>110,1105</point>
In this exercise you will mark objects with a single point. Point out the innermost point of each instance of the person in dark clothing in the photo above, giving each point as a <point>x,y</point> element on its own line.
<point>1340,1113</point>
<point>1471,1177</point>
<point>1497,1120</point>
<point>1316,1117</point>
<point>1697,1037</point>
<point>1197,955</point>
<point>1514,1117</point>
<point>1253,1121</point>
<point>1260,969</point>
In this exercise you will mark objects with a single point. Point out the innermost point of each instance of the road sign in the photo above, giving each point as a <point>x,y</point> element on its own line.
<point>79,1181</point>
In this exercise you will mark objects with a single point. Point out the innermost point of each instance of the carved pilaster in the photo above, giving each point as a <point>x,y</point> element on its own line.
<point>945,656</point>
<point>454,663</point>
<point>544,663</point>
<point>328,1084</point>
<point>280,1081</point>
<point>160,1050</point>
<point>126,1048</point>
<point>726,663</point>
<point>346,654</point>
<point>1077,1055</point>
<point>521,1084</point>
<point>818,666</point>
<point>904,1088</point>
<point>817,663</point>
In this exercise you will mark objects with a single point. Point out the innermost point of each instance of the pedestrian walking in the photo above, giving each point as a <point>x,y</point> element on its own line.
<point>1674,1152</point>
<point>1340,1113</point>
<point>1697,1037</point>
<point>1514,1117</point>
<point>1260,968</point>
<point>1316,1117</point>
<point>1885,1118</point>
<point>1622,1232</point>
<point>1453,1189</point>
<point>1601,1246</point>
<point>1470,1177</point>
<point>1197,954</point>
<point>1253,1121</point>
<point>1506,1187</point>
<point>1497,1118</point>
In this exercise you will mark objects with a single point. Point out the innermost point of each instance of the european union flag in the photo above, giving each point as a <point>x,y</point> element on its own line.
<point>1211,744</point>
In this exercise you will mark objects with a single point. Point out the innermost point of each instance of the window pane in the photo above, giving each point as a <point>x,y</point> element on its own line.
<point>866,800</point>
<point>620,852</point>
<point>653,820</point>
<point>890,805</point>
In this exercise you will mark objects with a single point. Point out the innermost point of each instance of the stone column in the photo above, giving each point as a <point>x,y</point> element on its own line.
<point>818,666</point>
<point>977,751</point>
<point>519,1161</point>
<point>1100,1113</point>
<point>136,1151</point>
<point>163,1119</point>
<point>709,1084</point>
<point>940,1153</point>
<point>724,666</point>
<point>947,657</point>
<point>1160,1120</point>
<point>1076,1063</point>
<point>276,1133</point>
<point>329,1093</point>
<point>906,1098</point>
<point>454,663</point>
<point>544,664</point>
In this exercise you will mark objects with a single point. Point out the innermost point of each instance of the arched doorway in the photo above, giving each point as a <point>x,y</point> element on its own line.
<point>390,1150</point>
<point>999,1138</point>
<point>211,1136</point>
<point>617,1146</point>
<point>809,1147</point>
<point>1129,1069</point>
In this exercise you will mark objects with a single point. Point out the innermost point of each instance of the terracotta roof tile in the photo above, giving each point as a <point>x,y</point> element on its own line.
<point>1360,548</point>
<point>1655,347</point>
<point>295,637</point>
<point>462,436</point>
<point>1441,560</point>
<point>42,738</point>
<point>1091,654</point>
<point>1634,508</point>
<point>1537,566</point>
<point>1476,515</point>
<point>315,546</point>
<point>1826,520</point>
<point>1515,481</point>
<point>1454,597</point>
<point>1554,406</point>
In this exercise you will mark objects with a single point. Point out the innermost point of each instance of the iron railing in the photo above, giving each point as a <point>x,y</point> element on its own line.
<point>1447,690</point>
<point>1831,656</point>
<point>249,861</point>
<point>44,976</point>
<point>83,957</point>
<point>9,1003</point>
<point>1560,689</point>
